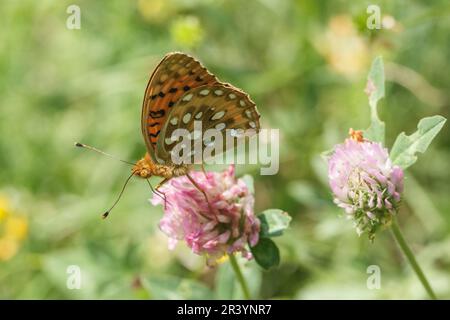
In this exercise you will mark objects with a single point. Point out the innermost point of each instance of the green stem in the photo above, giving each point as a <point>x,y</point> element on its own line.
<point>239,276</point>
<point>412,260</point>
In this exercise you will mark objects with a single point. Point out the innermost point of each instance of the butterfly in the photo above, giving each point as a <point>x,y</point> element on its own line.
<point>182,91</point>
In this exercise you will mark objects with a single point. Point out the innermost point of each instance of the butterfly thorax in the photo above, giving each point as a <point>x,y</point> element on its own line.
<point>146,168</point>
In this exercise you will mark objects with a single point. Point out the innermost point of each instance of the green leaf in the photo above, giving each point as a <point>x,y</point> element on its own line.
<point>273,222</point>
<point>375,86</point>
<point>226,285</point>
<point>248,179</point>
<point>404,151</point>
<point>174,288</point>
<point>266,253</point>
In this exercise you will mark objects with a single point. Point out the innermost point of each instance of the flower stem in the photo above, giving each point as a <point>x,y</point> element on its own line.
<point>239,276</point>
<point>412,260</point>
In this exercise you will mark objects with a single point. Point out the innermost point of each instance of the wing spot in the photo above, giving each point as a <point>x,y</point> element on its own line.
<point>174,121</point>
<point>252,124</point>
<point>232,96</point>
<point>248,113</point>
<point>218,115</point>
<point>242,103</point>
<point>173,90</point>
<point>198,115</point>
<point>186,88</point>
<point>220,126</point>
<point>218,92</point>
<point>171,103</point>
<point>161,94</point>
<point>198,79</point>
<point>169,141</point>
<point>188,97</point>
<point>187,117</point>
<point>204,92</point>
<point>157,114</point>
<point>163,77</point>
<point>154,135</point>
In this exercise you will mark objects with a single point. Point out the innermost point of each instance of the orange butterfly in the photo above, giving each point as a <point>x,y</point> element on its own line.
<point>179,92</point>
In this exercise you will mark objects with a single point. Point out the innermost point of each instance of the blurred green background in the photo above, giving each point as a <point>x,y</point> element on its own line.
<point>305,65</point>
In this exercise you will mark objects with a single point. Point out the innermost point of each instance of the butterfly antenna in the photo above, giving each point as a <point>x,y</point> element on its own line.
<point>82,145</point>
<point>106,214</point>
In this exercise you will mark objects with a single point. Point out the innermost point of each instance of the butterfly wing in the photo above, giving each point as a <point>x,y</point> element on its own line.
<point>220,106</point>
<point>176,74</point>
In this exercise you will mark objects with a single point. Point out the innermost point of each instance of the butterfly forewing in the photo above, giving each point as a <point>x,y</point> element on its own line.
<point>220,106</point>
<point>175,75</point>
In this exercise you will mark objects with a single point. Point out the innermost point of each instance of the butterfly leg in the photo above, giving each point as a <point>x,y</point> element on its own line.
<point>160,194</point>
<point>157,190</point>
<point>204,171</point>
<point>201,190</point>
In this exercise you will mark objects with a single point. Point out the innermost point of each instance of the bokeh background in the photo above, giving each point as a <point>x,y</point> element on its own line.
<point>304,63</point>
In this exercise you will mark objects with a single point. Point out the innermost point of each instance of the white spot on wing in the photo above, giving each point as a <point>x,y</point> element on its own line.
<point>169,141</point>
<point>198,115</point>
<point>242,103</point>
<point>232,96</point>
<point>220,126</point>
<point>174,121</point>
<point>248,113</point>
<point>188,97</point>
<point>218,92</point>
<point>187,118</point>
<point>204,92</point>
<point>218,115</point>
<point>252,124</point>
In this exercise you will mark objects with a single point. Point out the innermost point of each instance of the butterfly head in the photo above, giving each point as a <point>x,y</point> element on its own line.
<point>143,168</point>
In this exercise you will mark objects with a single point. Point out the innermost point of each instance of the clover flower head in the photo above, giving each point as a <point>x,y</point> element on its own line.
<point>365,183</point>
<point>228,228</point>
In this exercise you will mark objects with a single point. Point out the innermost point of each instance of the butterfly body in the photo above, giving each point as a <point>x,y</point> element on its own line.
<point>146,168</point>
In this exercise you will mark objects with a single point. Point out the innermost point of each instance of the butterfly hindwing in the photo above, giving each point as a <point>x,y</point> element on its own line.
<point>220,106</point>
<point>176,74</point>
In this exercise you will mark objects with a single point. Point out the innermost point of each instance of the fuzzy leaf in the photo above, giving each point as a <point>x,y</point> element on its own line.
<point>273,222</point>
<point>266,253</point>
<point>404,151</point>
<point>375,90</point>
